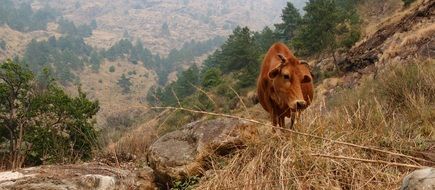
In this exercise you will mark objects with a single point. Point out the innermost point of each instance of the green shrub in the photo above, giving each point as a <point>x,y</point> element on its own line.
<point>125,84</point>
<point>186,184</point>
<point>54,127</point>
<point>112,69</point>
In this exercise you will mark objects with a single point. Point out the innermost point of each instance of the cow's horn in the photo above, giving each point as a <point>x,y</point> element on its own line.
<point>282,58</point>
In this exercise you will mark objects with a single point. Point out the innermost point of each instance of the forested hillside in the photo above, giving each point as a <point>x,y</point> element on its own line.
<point>107,42</point>
<point>326,26</point>
<point>373,108</point>
<point>82,44</point>
<point>166,92</point>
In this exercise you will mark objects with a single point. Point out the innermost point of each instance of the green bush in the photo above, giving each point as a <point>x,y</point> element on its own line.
<point>112,69</point>
<point>125,84</point>
<point>187,184</point>
<point>53,126</point>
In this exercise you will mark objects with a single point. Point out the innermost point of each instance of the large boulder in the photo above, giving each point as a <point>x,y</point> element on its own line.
<point>184,152</point>
<point>423,179</point>
<point>72,177</point>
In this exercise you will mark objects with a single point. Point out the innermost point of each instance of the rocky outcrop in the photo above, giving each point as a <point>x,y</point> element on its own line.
<point>402,37</point>
<point>423,179</point>
<point>184,152</point>
<point>84,176</point>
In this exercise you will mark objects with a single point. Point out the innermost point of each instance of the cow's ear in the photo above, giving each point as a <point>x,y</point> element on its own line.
<point>303,62</point>
<point>273,73</point>
<point>308,66</point>
<point>282,58</point>
<point>306,79</point>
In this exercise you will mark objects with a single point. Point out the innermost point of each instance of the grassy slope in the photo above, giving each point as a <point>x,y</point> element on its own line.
<point>394,112</point>
<point>103,86</point>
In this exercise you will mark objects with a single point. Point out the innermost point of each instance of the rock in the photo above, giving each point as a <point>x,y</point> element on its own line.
<point>327,86</point>
<point>71,177</point>
<point>423,179</point>
<point>184,152</point>
<point>145,179</point>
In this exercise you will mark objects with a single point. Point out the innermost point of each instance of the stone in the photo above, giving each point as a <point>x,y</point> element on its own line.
<point>184,152</point>
<point>423,179</point>
<point>80,176</point>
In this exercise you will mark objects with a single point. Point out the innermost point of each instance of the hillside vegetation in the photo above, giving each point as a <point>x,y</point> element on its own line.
<point>371,122</point>
<point>383,105</point>
<point>164,25</point>
<point>74,38</point>
<point>394,112</point>
<point>234,67</point>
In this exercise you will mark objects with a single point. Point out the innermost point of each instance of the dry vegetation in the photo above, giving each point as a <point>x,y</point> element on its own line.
<point>102,85</point>
<point>187,20</point>
<point>393,112</point>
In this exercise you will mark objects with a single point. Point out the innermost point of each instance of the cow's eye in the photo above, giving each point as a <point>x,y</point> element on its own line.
<point>287,77</point>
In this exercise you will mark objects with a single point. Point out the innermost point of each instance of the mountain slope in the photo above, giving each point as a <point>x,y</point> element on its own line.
<point>406,35</point>
<point>186,19</point>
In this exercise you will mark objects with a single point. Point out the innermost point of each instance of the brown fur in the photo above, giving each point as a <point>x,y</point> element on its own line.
<point>284,86</point>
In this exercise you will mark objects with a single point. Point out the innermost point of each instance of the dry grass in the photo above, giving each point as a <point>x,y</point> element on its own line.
<point>374,13</point>
<point>137,140</point>
<point>394,112</point>
<point>102,85</point>
<point>411,43</point>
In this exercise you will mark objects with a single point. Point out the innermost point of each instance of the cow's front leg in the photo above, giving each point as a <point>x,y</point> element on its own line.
<point>292,119</point>
<point>274,120</point>
<point>281,121</point>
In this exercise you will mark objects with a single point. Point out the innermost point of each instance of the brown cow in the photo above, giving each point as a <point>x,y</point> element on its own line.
<point>285,85</point>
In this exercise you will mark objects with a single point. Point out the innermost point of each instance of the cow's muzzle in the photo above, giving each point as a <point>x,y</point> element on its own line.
<point>301,104</point>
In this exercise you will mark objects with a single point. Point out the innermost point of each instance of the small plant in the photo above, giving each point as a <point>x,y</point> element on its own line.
<point>186,184</point>
<point>2,45</point>
<point>406,3</point>
<point>131,73</point>
<point>112,69</point>
<point>125,84</point>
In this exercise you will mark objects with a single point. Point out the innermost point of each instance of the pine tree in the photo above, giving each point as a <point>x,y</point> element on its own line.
<point>265,39</point>
<point>239,51</point>
<point>125,84</point>
<point>326,26</point>
<point>291,19</point>
<point>211,77</point>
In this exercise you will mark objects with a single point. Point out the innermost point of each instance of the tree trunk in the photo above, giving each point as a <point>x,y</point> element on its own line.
<point>335,62</point>
<point>12,149</point>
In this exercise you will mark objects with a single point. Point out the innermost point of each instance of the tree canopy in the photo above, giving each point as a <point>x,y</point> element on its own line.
<point>23,18</point>
<point>326,26</point>
<point>40,122</point>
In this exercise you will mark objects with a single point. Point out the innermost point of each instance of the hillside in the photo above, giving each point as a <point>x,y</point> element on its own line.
<point>185,19</point>
<point>139,21</point>
<point>191,119</point>
<point>370,124</point>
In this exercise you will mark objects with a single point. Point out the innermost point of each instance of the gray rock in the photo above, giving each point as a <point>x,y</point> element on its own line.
<point>75,177</point>
<point>423,179</point>
<point>184,152</point>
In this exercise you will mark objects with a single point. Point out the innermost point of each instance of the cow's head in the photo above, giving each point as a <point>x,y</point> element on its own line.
<point>286,79</point>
